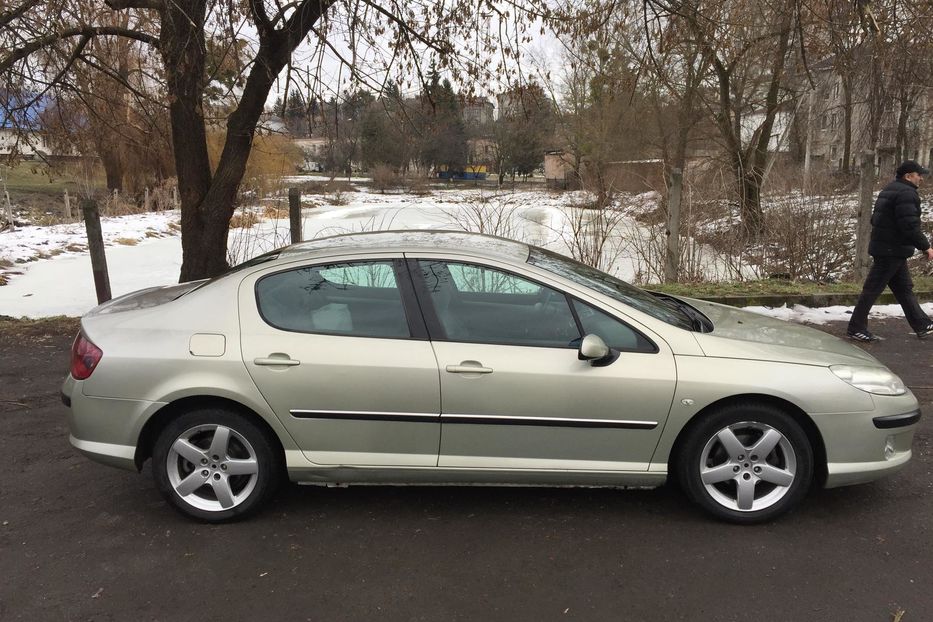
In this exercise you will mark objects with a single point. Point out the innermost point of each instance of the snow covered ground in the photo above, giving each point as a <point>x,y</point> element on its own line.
<point>145,250</point>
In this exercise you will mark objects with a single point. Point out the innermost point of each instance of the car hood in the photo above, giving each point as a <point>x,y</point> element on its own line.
<point>144,298</point>
<point>746,335</point>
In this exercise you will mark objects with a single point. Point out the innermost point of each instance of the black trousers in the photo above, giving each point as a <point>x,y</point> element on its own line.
<point>888,272</point>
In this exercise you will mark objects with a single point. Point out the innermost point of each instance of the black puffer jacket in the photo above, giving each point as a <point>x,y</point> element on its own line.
<point>895,222</point>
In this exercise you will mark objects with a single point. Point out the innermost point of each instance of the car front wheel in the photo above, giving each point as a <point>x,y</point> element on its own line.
<point>747,463</point>
<point>215,465</point>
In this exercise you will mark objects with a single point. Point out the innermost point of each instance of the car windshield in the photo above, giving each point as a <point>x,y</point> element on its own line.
<point>609,285</point>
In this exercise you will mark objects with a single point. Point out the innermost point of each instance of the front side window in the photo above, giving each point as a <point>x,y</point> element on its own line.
<point>610,286</point>
<point>484,305</point>
<point>615,333</point>
<point>360,299</point>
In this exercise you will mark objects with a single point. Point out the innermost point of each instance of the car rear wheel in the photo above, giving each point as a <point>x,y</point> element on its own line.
<point>215,465</point>
<point>747,463</point>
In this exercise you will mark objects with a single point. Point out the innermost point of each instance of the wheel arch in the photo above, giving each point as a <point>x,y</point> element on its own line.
<point>798,414</point>
<point>162,417</point>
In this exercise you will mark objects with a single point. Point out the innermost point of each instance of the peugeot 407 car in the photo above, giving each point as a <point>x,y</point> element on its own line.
<point>419,357</point>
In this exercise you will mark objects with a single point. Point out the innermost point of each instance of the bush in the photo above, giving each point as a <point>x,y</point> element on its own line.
<point>809,237</point>
<point>384,178</point>
<point>270,158</point>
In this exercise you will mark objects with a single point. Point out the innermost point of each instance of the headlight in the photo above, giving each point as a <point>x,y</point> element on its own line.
<point>877,380</point>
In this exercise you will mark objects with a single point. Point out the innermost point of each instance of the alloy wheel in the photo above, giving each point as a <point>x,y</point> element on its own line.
<point>748,466</point>
<point>212,467</point>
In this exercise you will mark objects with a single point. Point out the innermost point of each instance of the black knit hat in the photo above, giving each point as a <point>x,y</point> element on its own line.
<point>910,166</point>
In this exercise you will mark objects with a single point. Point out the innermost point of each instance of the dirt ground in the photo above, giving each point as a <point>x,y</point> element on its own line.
<point>81,541</point>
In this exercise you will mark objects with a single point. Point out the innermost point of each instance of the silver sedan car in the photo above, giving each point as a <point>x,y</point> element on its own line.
<point>420,357</point>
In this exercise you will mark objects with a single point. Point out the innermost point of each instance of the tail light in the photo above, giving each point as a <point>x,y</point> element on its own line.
<point>84,357</point>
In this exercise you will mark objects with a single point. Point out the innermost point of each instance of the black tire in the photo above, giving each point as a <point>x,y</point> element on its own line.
<point>231,482</point>
<point>742,486</point>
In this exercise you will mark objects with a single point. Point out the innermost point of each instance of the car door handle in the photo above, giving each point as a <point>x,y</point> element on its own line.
<point>468,367</point>
<point>276,360</point>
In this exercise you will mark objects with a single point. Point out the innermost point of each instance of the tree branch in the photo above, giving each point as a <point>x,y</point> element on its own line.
<point>8,16</point>
<point>301,21</point>
<point>121,5</point>
<point>258,10</point>
<point>401,23</point>
<point>88,31</point>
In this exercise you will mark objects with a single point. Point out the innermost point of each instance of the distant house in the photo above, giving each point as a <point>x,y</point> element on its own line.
<point>481,151</point>
<point>29,144</point>
<point>822,118</point>
<point>559,173</point>
<point>478,111</point>
<point>315,152</point>
<point>20,133</point>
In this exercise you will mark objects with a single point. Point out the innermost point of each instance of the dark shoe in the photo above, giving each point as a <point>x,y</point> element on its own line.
<point>925,332</point>
<point>867,337</point>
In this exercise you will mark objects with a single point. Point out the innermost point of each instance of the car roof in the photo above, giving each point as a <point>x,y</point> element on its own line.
<point>413,241</point>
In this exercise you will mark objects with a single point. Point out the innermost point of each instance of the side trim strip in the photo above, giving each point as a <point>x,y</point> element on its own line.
<point>365,416</point>
<point>559,422</point>
<point>897,421</point>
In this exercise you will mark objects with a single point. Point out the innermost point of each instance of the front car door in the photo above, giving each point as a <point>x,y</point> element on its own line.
<point>514,393</point>
<point>339,351</point>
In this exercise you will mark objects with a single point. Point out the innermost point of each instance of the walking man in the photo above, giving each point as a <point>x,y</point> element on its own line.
<point>895,236</point>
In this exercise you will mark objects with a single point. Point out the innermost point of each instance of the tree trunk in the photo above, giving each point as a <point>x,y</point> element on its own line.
<point>183,52</point>
<point>846,124</point>
<point>902,140</point>
<point>750,200</point>
<point>207,203</point>
<point>113,167</point>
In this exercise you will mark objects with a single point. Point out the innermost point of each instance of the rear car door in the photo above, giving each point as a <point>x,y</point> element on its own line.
<point>514,393</point>
<point>339,351</point>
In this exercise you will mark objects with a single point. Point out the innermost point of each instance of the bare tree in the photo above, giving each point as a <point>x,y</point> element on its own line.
<point>43,39</point>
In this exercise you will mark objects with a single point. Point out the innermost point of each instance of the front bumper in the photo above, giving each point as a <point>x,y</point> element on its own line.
<point>863,447</point>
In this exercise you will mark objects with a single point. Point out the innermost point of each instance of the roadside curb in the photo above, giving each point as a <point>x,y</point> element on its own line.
<point>807,300</point>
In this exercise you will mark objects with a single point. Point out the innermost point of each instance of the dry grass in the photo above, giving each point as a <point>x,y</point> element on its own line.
<point>244,220</point>
<point>25,329</point>
<point>327,187</point>
<point>418,186</point>
<point>126,241</point>
<point>273,211</point>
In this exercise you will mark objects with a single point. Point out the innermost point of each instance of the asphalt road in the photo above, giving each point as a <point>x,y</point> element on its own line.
<point>80,541</point>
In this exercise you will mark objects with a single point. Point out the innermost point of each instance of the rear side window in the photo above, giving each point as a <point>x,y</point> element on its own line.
<point>359,299</point>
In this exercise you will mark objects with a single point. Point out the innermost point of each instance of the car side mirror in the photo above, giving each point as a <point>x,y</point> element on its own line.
<point>595,350</point>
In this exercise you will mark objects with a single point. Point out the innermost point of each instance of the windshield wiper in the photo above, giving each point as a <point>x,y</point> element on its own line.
<point>698,322</point>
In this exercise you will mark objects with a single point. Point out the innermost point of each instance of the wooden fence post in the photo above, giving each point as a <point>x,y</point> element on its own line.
<point>294,213</point>
<point>146,199</point>
<point>672,258</point>
<point>866,186</point>
<point>67,213</point>
<point>95,244</point>
<point>9,211</point>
